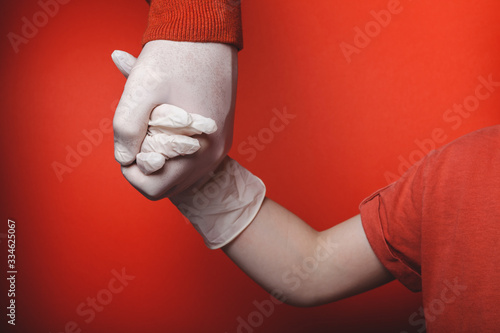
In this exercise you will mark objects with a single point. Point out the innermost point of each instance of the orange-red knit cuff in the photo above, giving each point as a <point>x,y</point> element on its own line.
<point>195,21</point>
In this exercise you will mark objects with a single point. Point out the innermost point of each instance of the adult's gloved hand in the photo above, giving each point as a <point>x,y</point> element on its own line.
<point>197,77</point>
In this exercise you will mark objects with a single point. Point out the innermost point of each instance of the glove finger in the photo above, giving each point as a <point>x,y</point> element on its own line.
<point>170,119</point>
<point>203,124</point>
<point>124,61</point>
<point>150,162</point>
<point>130,122</point>
<point>170,146</point>
<point>169,116</point>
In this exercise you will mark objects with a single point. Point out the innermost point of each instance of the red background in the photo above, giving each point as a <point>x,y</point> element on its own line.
<point>354,122</point>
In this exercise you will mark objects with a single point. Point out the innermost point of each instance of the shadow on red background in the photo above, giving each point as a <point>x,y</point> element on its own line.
<point>365,105</point>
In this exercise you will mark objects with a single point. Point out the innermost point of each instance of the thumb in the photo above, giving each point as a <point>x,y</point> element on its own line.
<point>124,61</point>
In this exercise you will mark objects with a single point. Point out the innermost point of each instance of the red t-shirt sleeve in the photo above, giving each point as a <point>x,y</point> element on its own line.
<point>443,212</point>
<point>437,230</point>
<point>391,220</point>
<point>195,21</point>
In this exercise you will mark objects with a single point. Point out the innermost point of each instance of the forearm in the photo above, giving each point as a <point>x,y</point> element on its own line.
<point>283,254</point>
<point>273,249</point>
<point>289,258</point>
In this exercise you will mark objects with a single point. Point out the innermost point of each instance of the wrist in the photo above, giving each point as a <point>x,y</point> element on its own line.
<point>224,205</point>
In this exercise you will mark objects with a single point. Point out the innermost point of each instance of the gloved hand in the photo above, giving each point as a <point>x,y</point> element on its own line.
<point>221,205</point>
<point>168,136</point>
<point>197,77</point>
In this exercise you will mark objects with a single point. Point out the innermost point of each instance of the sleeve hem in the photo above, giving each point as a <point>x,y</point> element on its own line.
<point>373,226</point>
<point>195,21</point>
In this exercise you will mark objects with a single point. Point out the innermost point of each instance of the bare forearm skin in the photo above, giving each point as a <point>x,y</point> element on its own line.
<point>304,267</point>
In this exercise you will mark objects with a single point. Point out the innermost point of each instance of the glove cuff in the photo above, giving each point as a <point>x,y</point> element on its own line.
<point>224,205</point>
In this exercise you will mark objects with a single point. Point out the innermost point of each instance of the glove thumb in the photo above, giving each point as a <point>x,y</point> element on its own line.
<point>124,61</point>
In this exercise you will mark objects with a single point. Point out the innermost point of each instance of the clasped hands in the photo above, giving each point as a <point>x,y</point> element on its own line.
<point>178,100</point>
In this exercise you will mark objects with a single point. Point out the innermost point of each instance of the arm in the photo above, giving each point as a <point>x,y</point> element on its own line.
<point>282,253</point>
<point>276,248</point>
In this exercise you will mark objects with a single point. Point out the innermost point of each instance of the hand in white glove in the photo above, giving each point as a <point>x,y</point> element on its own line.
<point>197,77</point>
<point>221,204</point>
<point>168,136</point>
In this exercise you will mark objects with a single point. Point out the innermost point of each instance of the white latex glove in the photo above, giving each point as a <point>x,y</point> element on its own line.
<point>221,204</point>
<point>221,207</point>
<point>197,77</point>
<point>168,136</point>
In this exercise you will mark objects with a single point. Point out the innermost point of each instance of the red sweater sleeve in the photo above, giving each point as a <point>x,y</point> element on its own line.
<point>195,21</point>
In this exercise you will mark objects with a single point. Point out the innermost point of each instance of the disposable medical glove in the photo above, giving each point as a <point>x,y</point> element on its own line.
<point>168,136</point>
<point>223,204</point>
<point>220,204</point>
<point>199,78</point>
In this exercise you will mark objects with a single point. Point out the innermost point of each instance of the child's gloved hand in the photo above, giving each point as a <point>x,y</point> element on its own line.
<point>168,136</point>
<point>223,203</point>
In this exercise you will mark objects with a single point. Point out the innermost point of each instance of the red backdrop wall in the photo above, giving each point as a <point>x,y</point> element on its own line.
<point>370,93</point>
